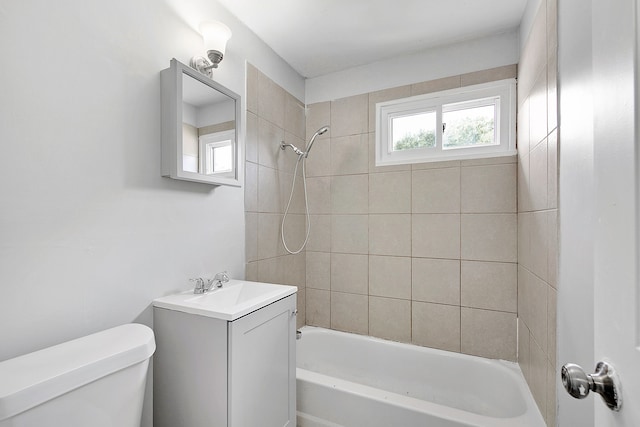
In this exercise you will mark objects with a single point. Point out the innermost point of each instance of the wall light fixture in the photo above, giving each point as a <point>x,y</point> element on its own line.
<point>215,35</point>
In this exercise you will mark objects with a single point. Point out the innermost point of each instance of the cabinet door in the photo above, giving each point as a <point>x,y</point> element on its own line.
<point>262,367</point>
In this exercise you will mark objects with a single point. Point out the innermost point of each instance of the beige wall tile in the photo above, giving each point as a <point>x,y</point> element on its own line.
<point>251,139</point>
<point>372,159</point>
<point>390,276</point>
<point>390,192</point>
<point>385,95</point>
<point>552,308</point>
<point>390,318</point>
<point>490,75</point>
<point>539,244</point>
<point>350,273</point>
<point>525,279</point>
<point>270,270</point>
<point>251,271</point>
<point>435,325</point>
<point>552,255</point>
<point>524,239</point>
<point>319,161</point>
<point>436,280</point>
<point>287,159</point>
<point>390,234</point>
<point>435,235</point>
<point>318,270</point>
<point>251,236</point>
<point>350,234</point>
<point>538,174</point>
<point>489,285</point>
<point>296,206</point>
<point>436,165</point>
<point>318,308</point>
<point>320,233</point>
<point>523,143</point>
<point>319,195</point>
<point>350,154</point>
<point>435,85</point>
<point>523,349</point>
<point>524,196</point>
<point>534,54</point>
<point>350,194</point>
<point>502,160</point>
<point>486,333</point>
<point>350,312</point>
<point>435,190</point>
<point>350,116</point>
<point>537,300</point>
<point>252,88</point>
<point>295,268</point>
<point>295,230</point>
<point>271,100</point>
<point>269,190</point>
<point>269,244</point>
<point>488,189</point>
<point>552,92</point>
<point>552,28</point>
<point>538,113</point>
<point>318,115</point>
<point>538,376</point>
<point>250,187</point>
<point>294,116</point>
<point>301,305</point>
<point>269,138</point>
<point>552,401</point>
<point>552,170</point>
<point>489,237</point>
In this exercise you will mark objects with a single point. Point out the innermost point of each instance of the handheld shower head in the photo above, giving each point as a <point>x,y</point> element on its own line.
<point>320,131</point>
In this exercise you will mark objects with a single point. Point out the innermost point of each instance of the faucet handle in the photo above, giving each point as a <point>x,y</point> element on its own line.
<point>220,278</point>
<point>199,289</point>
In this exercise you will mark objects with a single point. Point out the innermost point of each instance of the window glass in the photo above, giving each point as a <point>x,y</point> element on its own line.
<point>414,131</point>
<point>468,124</point>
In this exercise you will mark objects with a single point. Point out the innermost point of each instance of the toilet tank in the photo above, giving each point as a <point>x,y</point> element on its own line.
<point>96,381</point>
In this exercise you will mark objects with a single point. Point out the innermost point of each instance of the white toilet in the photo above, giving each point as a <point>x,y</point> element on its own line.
<point>96,381</point>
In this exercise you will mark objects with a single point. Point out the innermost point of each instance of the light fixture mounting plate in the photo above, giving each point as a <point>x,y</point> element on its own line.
<point>201,64</point>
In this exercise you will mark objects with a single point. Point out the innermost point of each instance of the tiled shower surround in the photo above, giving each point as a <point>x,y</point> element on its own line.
<point>424,253</point>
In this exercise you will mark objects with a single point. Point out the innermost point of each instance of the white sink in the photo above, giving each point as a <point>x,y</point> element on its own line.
<point>235,299</point>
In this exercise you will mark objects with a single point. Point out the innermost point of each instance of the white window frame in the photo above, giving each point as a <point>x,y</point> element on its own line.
<point>503,90</point>
<point>208,142</point>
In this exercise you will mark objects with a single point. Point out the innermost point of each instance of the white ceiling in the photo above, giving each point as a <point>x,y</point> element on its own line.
<point>318,37</point>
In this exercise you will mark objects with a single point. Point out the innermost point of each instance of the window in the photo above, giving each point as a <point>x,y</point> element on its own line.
<point>216,153</point>
<point>470,122</point>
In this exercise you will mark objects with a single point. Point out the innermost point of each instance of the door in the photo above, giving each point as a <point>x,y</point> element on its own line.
<point>262,367</point>
<point>598,299</point>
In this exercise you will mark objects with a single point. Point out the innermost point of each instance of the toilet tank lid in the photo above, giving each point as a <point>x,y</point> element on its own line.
<point>34,378</point>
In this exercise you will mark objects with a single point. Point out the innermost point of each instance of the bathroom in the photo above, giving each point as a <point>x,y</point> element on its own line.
<point>91,233</point>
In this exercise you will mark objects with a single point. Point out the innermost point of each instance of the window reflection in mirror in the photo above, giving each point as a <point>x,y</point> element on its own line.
<point>208,129</point>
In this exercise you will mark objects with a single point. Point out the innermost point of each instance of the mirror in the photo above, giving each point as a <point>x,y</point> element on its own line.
<point>200,122</point>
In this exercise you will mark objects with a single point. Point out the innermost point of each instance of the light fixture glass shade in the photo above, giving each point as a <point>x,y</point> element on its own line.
<point>215,35</point>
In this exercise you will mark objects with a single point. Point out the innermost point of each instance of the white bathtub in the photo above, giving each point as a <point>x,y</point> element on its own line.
<point>356,381</point>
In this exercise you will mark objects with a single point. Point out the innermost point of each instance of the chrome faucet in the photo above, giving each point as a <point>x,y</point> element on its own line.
<point>204,286</point>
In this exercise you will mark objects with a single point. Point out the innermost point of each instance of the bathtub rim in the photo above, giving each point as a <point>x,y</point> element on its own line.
<point>530,417</point>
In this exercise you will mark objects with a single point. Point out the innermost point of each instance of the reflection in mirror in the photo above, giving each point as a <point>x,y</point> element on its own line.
<point>208,129</point>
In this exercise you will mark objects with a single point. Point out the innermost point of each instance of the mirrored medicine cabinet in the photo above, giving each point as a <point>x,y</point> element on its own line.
<point>200,127</point>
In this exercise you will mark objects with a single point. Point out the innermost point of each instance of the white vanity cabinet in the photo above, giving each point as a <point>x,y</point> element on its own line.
<point>220,373</point>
